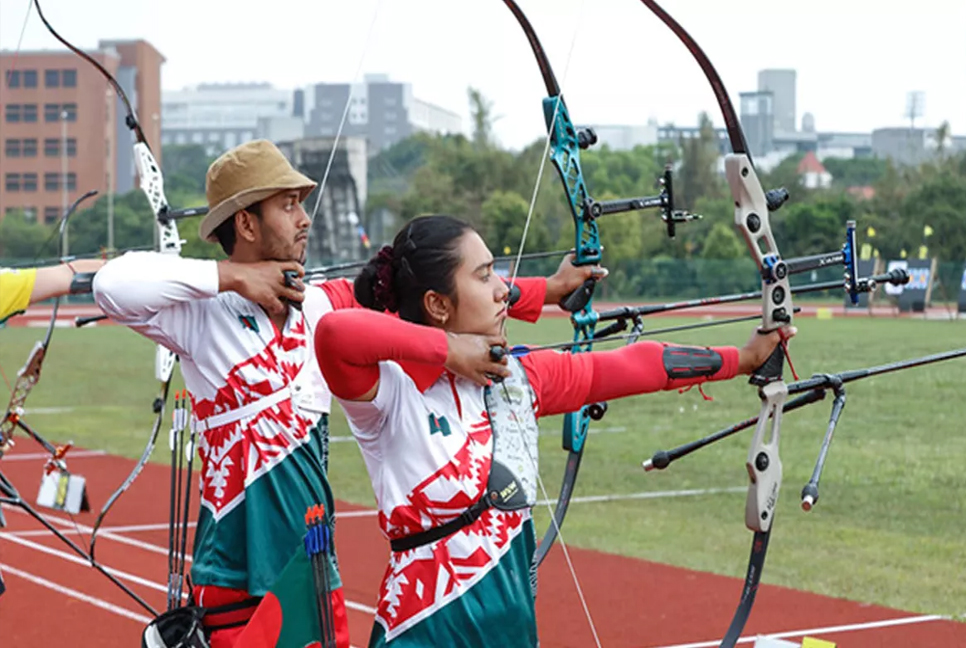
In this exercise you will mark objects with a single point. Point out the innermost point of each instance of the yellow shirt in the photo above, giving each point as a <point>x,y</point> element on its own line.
<point>15,289</point>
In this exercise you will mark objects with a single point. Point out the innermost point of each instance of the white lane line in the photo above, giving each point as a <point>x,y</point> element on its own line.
<point>77,560</point>
<point>102,532</point>
<point>352,605</point>
<point>80,596</point>
<point>587,499</point>
<point>886,623</point>
<point>163,526</point>
<point>71,454</point>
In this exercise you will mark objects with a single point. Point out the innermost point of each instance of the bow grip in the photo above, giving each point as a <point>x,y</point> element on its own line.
<point>771,369</point>
<point>579,298</point>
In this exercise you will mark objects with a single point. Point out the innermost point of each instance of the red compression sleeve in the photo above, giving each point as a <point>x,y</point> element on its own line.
<point>533,292</point>
<point>341,293</point>
<point>350,344</point>
<point>564,382</point>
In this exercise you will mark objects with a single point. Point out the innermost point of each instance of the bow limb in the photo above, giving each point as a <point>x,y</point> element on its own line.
<point>563,145</point>
<point>29,374</point>
<point>752,207</point>
<point>563,150</point>
<point>151,182</point>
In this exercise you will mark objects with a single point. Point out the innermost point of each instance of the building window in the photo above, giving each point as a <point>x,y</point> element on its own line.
<point>30,78</point>
<point>51,147</point>
<point>11,182</point>
<point>197,138</point>
<point>71,147</point>
<point>11,113</point>
<point>30,112</point>
<point>30,183</point>
<point>30,147</point>
<point>51,214</point>
<point>51,112</point>
<point>71,182</point>
<point>68,78</point>
<point>13,79</point>
<point>52,78</point>
<point>51,181</point>
<point>11,148</point>
<point>71,110</point>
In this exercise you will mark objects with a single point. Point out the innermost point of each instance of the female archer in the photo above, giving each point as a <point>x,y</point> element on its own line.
<point>448,432</point>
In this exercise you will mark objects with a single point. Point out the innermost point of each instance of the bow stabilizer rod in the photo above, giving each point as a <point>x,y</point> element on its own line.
<point>809,390</point>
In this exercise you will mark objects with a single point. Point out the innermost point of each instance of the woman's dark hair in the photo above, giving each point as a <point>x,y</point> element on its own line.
<point>424,256</point>
<point>225,233</point>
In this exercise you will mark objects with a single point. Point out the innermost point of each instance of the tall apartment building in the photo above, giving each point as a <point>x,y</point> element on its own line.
<point>782,86</point>
<point>757,114</point>
<point>220,116</point>
<point>380,110</point>
<point>62,126</point>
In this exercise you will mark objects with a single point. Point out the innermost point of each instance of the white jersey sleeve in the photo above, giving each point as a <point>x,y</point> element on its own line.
<point>160,296</point>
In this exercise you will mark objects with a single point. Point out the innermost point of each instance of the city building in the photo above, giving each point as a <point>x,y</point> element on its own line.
<point>757,115</point>
<point>782,86</point>
<point>220,116</point>
<point>338,228</point>
<point>626,137</point>
<point>63,127</point>
<point>813,173</point>
<point>382,111</point>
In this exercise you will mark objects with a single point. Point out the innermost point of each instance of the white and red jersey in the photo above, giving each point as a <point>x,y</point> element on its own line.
<point>257,397</point>
<point>444,434</point>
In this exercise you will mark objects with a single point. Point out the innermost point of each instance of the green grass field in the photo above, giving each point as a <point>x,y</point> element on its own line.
<point>890,527</point>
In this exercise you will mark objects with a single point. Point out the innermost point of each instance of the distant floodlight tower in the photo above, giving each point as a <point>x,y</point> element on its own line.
<point>915,106</point>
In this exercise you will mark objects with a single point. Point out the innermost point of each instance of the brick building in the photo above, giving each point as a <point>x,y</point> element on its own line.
<point>62,128</point>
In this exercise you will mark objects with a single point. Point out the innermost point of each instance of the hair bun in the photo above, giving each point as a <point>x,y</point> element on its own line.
<point>382,289</point>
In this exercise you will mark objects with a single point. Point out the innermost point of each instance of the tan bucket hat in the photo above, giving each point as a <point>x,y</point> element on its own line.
<point>245,175</point>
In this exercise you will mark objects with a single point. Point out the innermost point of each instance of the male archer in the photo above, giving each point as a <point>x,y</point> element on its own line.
<point>245,339</point>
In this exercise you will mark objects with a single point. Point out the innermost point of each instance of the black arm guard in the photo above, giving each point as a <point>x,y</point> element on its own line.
<point>82,283</point>
<point>691,362</point>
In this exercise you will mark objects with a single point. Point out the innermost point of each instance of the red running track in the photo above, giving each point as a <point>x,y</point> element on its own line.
<point>51,600</point>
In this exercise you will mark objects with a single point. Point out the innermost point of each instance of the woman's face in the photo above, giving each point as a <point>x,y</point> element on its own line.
<point>480,304</point>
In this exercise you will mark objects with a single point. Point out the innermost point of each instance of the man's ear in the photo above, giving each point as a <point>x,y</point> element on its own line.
<point>438,308</point>
<point>245,227</point>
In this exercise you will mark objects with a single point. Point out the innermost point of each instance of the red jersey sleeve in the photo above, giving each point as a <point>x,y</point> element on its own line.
<point>341,293</point>
<point>350,344</point>
<point>533,292</point>
<point>565,382</point>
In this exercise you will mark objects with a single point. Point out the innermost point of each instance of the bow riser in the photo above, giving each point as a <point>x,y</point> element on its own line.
<point>752,220</point>
<point>151,180</point>
<point>565,156</point>
<point>764,464</point>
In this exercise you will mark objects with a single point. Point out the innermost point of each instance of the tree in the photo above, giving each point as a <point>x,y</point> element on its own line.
<point>504,217</point>
<point>481,114</point>
<point>24,238</point>
<point>185,167</point>
<point>698,175</point>
<point>723,243</point>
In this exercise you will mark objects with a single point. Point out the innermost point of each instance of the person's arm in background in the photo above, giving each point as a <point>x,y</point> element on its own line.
<point>55,281</point>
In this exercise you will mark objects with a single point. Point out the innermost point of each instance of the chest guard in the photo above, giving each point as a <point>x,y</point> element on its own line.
<point>513,472</point>
<point>512,483</point>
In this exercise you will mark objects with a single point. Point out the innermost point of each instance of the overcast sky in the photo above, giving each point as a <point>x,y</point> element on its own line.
<point>856,60</point>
